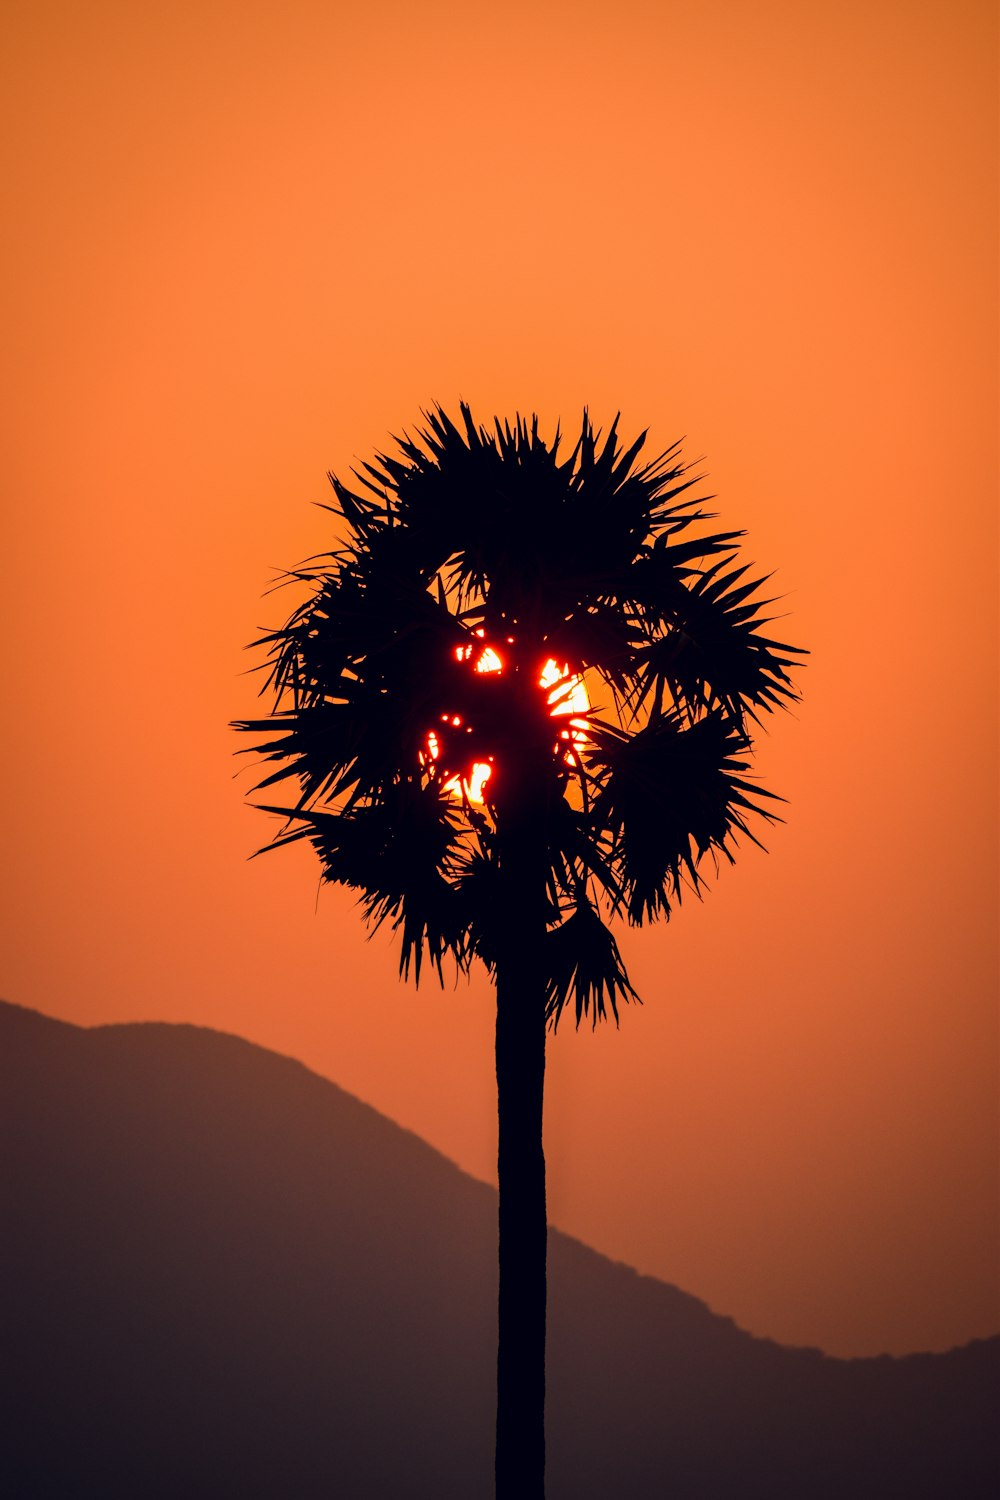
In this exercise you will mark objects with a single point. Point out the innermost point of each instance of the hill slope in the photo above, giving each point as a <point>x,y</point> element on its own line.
<point>222,1275</point>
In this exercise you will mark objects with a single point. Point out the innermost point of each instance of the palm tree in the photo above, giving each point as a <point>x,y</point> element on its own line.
<point>516,702</point>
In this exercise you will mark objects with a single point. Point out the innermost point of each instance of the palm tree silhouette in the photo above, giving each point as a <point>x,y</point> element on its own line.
<point>516,703</point>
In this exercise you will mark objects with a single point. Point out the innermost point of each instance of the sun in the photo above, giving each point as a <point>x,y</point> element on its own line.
<point>567,697</point>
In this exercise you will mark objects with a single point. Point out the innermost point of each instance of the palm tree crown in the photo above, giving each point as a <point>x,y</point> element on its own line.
<point>484,578</point>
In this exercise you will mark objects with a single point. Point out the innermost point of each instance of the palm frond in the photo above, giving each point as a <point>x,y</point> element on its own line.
<point>478,881</point>
<point>357,746</point>
<point>400,854</point>
<point>669,794</point>
<point>584,965</point>
<point>707,647</point>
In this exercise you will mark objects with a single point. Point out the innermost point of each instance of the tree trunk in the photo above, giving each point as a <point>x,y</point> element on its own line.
<point>520,1062</point>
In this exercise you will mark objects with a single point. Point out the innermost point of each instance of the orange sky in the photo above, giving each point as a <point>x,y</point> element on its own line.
<point>244,243</point>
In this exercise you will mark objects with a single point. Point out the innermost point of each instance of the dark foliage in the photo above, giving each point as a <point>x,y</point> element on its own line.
<point>490,548</point>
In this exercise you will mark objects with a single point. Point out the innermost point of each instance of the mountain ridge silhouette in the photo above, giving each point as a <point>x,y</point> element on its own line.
<point>223,1274</point>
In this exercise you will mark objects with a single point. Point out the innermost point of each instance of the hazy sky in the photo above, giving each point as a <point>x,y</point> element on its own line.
<point>244,244</point>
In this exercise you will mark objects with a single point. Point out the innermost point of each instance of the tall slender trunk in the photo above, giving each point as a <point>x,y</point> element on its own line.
<point>520,1062</point>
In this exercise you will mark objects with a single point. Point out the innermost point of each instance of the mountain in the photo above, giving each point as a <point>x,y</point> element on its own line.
<point>222,1276</point>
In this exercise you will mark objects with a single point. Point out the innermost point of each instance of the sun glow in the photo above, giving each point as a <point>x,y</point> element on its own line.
<point>481,773</point>
<point>567,697</point>
<point>457,786</point>
<point>486,661</point>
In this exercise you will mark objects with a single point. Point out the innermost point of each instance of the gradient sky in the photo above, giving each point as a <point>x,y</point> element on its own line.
<point>244,244</point>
